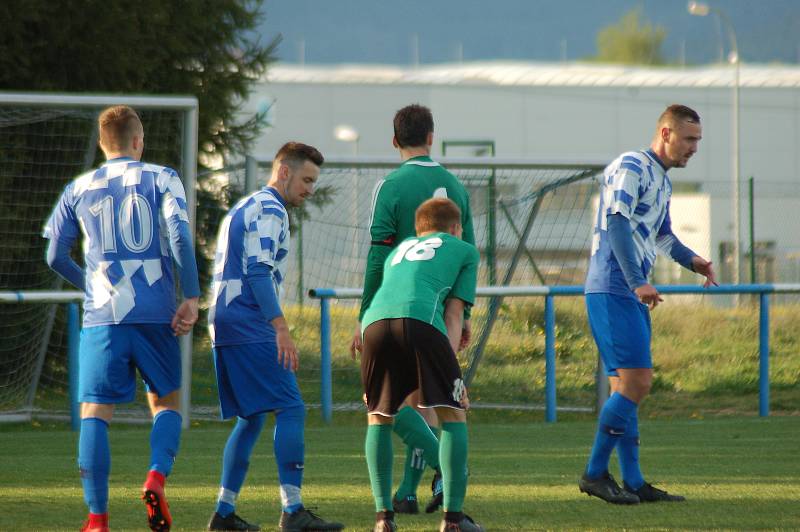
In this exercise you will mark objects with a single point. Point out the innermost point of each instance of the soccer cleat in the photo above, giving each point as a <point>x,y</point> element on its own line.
<point>465,525</point>
<point>385,525</point>
<point>648,493</point>
<point>407,505</point>
<point>158,516</point>
<point>437,489</point>
<point>304,520</point>
<point>606,488</point>
<point>95,523</point>
<point>230,522</point>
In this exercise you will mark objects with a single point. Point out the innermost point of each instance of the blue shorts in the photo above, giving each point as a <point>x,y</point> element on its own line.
<point>250,380</point>
<point>111,354</point>
<point>621,330</point>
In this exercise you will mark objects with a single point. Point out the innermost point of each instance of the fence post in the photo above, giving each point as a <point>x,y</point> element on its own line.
<point>325,386</point>
<point>73,345</point>
<point>250,174</point>
<point>601,381</point>
<point>550,358</point>
<point>763,356</point>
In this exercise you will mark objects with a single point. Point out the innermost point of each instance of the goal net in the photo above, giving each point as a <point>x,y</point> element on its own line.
<point>46,141</point>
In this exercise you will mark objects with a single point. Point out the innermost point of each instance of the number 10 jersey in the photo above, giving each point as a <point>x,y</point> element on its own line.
<point>128,212</point>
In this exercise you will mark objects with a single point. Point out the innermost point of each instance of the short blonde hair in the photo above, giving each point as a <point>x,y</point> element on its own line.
<point>117,126</point>
<point>436,214</point>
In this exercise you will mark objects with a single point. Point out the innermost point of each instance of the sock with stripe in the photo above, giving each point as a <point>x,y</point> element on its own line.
<point>236,460</point>
<point>289,447</point>
<point>612,423</point>
<point>94,462</point>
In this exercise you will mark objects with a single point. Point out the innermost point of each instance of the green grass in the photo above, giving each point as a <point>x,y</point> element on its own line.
<point>737,472</point>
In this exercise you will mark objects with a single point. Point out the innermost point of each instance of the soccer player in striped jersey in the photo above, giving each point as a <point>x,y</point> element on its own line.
<point>134,222</point>
<point>412,330</point>
<point>395,200</point>
<point>254,354</point>
<point>633,222</point>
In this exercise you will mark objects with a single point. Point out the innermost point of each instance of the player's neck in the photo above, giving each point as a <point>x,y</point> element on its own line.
<point>416,151</point>
<point>660,151</point>
<point>120,154</point>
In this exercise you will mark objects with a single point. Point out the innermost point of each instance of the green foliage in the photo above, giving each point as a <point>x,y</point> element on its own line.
<point>631,41</point>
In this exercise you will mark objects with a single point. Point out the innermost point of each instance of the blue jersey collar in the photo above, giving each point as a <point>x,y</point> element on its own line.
<point>277,195</point>
<point>655,157</point>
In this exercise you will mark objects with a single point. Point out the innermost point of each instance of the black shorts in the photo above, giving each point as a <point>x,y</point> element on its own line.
<point>403,354</point>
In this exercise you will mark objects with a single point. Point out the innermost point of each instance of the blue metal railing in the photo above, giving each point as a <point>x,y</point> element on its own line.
<point>550,293</point>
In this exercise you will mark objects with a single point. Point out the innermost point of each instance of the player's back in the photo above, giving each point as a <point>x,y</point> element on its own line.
<point>419,179</point>
<point>420,274</point>
<point>126,240</point>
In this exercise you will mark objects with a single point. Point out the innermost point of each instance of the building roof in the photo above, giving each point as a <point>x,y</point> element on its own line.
<point>539,75</point>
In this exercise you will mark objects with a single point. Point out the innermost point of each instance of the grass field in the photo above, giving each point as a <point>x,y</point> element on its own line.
<point>737,472</point>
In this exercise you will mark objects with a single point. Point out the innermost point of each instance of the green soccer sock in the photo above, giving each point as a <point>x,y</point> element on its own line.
<point>378,448</point>
<point>453,461</point>
<point>417,435</point>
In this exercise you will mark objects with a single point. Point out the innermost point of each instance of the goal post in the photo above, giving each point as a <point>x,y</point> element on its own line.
<point>46,140</point>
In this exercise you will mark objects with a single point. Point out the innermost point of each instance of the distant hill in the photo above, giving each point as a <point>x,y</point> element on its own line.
<point>434,31</point>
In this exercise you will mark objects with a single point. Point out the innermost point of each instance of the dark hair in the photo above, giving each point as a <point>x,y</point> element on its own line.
<point>295,154</point>
<point>412,124</point>
<point>117,126</point>
<point>677,113</point>
<point>436,214</point>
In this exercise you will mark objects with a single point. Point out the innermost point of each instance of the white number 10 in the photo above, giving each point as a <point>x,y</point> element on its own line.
<point>134,205</point>
<point>415,250</point>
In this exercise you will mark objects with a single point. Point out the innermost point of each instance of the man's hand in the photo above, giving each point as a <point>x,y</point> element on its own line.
<point>703,267</point>
<point>287,351</point>
<point>466,335</point>
<point>355,344</point>
<point>464,399</point>
<point>648,295</point>
<point>185,317</point>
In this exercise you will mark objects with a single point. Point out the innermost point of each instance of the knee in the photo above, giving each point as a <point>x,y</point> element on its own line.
<point>638,388</point>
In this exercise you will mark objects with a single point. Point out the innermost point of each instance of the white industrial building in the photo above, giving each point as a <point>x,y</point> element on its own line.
<point>574,112</point>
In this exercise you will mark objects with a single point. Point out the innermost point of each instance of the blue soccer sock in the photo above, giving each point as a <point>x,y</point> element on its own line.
<point>236,460</point>
<point>628,453</point>
<point>94,461</point>
<point>165,439</point>
<point>612,423</point>
<point>290,455</point>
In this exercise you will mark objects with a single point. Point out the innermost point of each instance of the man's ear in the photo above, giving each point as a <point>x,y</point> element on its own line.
<point>665,131</point>
<point>456,230</point>
<point>429,139</point>
<point>394,142</point>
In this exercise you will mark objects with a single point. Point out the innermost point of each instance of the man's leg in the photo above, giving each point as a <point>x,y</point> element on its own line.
<point>94,461</point>
<point>379,453</point>
<point>236,461</point>
<point>289,448</point>
<point>413,425</point>
<point>453,462</point>
<point>631,386</point>
<point>165,438</point>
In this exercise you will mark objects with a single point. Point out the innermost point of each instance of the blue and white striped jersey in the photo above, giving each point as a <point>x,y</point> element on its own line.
<point>636,186</point>
<point>129,213</point>
<point>256,230</point>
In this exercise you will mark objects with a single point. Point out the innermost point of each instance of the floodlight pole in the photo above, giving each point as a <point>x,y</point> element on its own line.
<point>701,9</point>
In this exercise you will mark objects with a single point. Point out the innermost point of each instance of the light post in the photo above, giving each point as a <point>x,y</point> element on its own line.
<point>701,9</point>
<point>347,133</point>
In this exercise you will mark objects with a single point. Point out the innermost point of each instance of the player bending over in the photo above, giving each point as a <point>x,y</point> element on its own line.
<point>632,222</point>
<point>134,222</point>
<point>395,201</point>
<point>412,330</point>
<point>254,354</point>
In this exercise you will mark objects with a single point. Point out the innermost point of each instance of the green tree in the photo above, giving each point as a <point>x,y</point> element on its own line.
<point>631,41</point>
<point>206,48</point>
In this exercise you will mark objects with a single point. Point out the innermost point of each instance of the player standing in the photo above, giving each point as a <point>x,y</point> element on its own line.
<point>254,354</point>
<point>395,200</point>
<point>413,328</point>
<point>632,222</point>
<point>134,223</point>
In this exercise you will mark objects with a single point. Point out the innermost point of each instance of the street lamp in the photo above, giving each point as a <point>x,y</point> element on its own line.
<point>701,9</point>
<point>347,133</point>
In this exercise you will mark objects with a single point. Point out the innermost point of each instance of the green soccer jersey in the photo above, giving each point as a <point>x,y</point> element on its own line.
<point>395,202</point>
<point>420,274</point>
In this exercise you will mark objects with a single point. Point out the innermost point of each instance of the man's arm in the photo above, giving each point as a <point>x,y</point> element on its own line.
<point>59,259</point>
<point>453,314</point>
<point>173,208</point>
<point>621,241</point>
<point>259,278</point>
<point>670,245</point>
